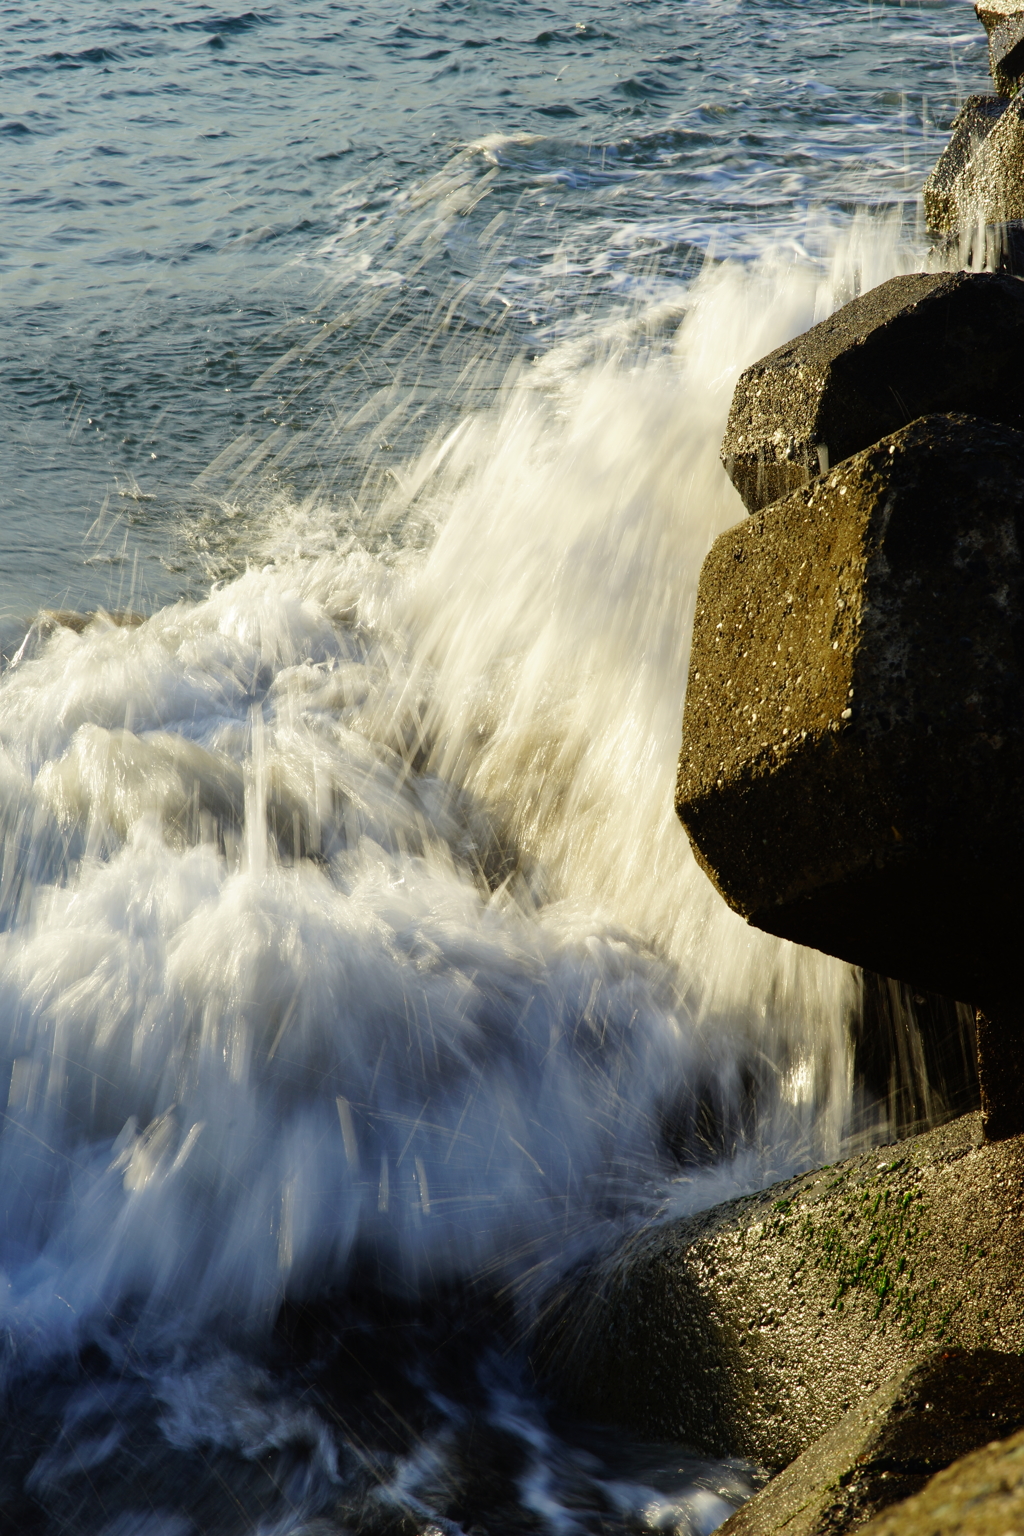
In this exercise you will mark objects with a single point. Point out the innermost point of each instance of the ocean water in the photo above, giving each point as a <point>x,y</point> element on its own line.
<point>363,373</point>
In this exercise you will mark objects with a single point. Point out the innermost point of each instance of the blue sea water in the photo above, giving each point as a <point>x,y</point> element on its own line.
<point>185,192</point>
<point>362,377</point>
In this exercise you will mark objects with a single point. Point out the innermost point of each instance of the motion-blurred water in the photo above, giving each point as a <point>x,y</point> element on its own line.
<point>363,375</point>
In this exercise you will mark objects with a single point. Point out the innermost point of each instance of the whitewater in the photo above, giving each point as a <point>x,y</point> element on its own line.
<point>356,979</point>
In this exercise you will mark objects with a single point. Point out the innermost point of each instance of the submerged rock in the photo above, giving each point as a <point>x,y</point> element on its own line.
<point>853,736</point>
<point>923,343</point>
<point>888,1447</point>
<point>752,1328</point>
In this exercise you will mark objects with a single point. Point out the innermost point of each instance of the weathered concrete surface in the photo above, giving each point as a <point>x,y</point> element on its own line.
<point>853,736</point>
<point>1003,21</point>
<point>973,123</point>
<point>888,1447</point>
<point>981,1495</point>
<point>979,178</point>
<point>1006,54</point>
<point>992,13</point>
<point>946,341</point>
<point>752,1328</point>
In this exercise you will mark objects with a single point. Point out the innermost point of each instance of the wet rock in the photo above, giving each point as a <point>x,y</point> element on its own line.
<point>888,1447</point>
<point>1003,21</point>
<point>971,125</point>
<point>992,13</point>
<point>853,737</point>
<point>752,1328</point>
<point>1006,54</point>
<point>979,178</point>
<point>980,1495</point>
<point>948,341</point>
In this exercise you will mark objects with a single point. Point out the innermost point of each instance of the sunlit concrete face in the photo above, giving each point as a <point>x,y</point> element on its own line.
<point>852,742</point>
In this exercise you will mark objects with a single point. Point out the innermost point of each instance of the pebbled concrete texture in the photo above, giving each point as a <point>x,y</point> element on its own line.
<point>752,1328</point>
<point>1006,54</point>
<point>979,177</point>
<point>853,733</point>
<point>980,1495</point>
<point>1003,21</point>
<point>926,342</point>
<point>887,1448</point>
<point>945,186</point>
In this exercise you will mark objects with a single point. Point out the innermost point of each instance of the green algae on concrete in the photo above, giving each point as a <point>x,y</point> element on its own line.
<point>752,1328</point>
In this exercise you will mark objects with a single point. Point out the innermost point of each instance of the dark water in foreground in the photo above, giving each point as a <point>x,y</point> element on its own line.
<point>366,368</point>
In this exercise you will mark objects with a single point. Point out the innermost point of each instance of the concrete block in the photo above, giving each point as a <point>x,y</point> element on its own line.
<point>943,190</point>
<point>887,1448</point>
<point>752,1328</point>
<point>979,178</point>
<point>1003,21</point>
<point>853,736</point>
<point>980,1495</point>
<point>918,344</point>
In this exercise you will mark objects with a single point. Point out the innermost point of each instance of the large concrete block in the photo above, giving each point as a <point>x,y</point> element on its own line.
<point>886,1449</point>
<point>853,738</point>
<point>979,178</point>
<point>751,1329</point>
<point>980,1495</point>
<point>923,343</point>
<point>1003,21</point>
<point>943,190</point>
<point>992,13</point>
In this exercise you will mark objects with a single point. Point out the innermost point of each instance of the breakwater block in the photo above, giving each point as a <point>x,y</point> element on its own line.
<point>752,1328</point>
<point>927,342</point>
<point>972,124</point>
<point>1003,21</point>
<point>886,1449</point>
<point>853,735</point>
<point>980,1495</point>
<point>979,178</point>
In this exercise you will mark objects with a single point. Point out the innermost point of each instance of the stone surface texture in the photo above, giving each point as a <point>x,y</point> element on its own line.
<point>981,1495</point>
<point>943,189</point>
<point>927,342</point>
<point>979,178</point>
<point>853,735</point>
<point>888,1447</point>
<point>992,13</point>
<point>1003,21</point>
<point>1006,54</point>
<point>752,1328</point>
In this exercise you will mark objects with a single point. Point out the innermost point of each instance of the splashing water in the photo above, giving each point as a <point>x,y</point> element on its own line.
<point>347,924</point>
<point>348,908</point>
<point>356,978</point>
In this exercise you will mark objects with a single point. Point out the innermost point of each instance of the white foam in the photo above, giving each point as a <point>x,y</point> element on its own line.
<point>446,1034</point>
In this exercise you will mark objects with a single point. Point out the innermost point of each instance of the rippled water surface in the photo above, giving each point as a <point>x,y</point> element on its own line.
<point>363,375</point>
<point>187,193</point>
